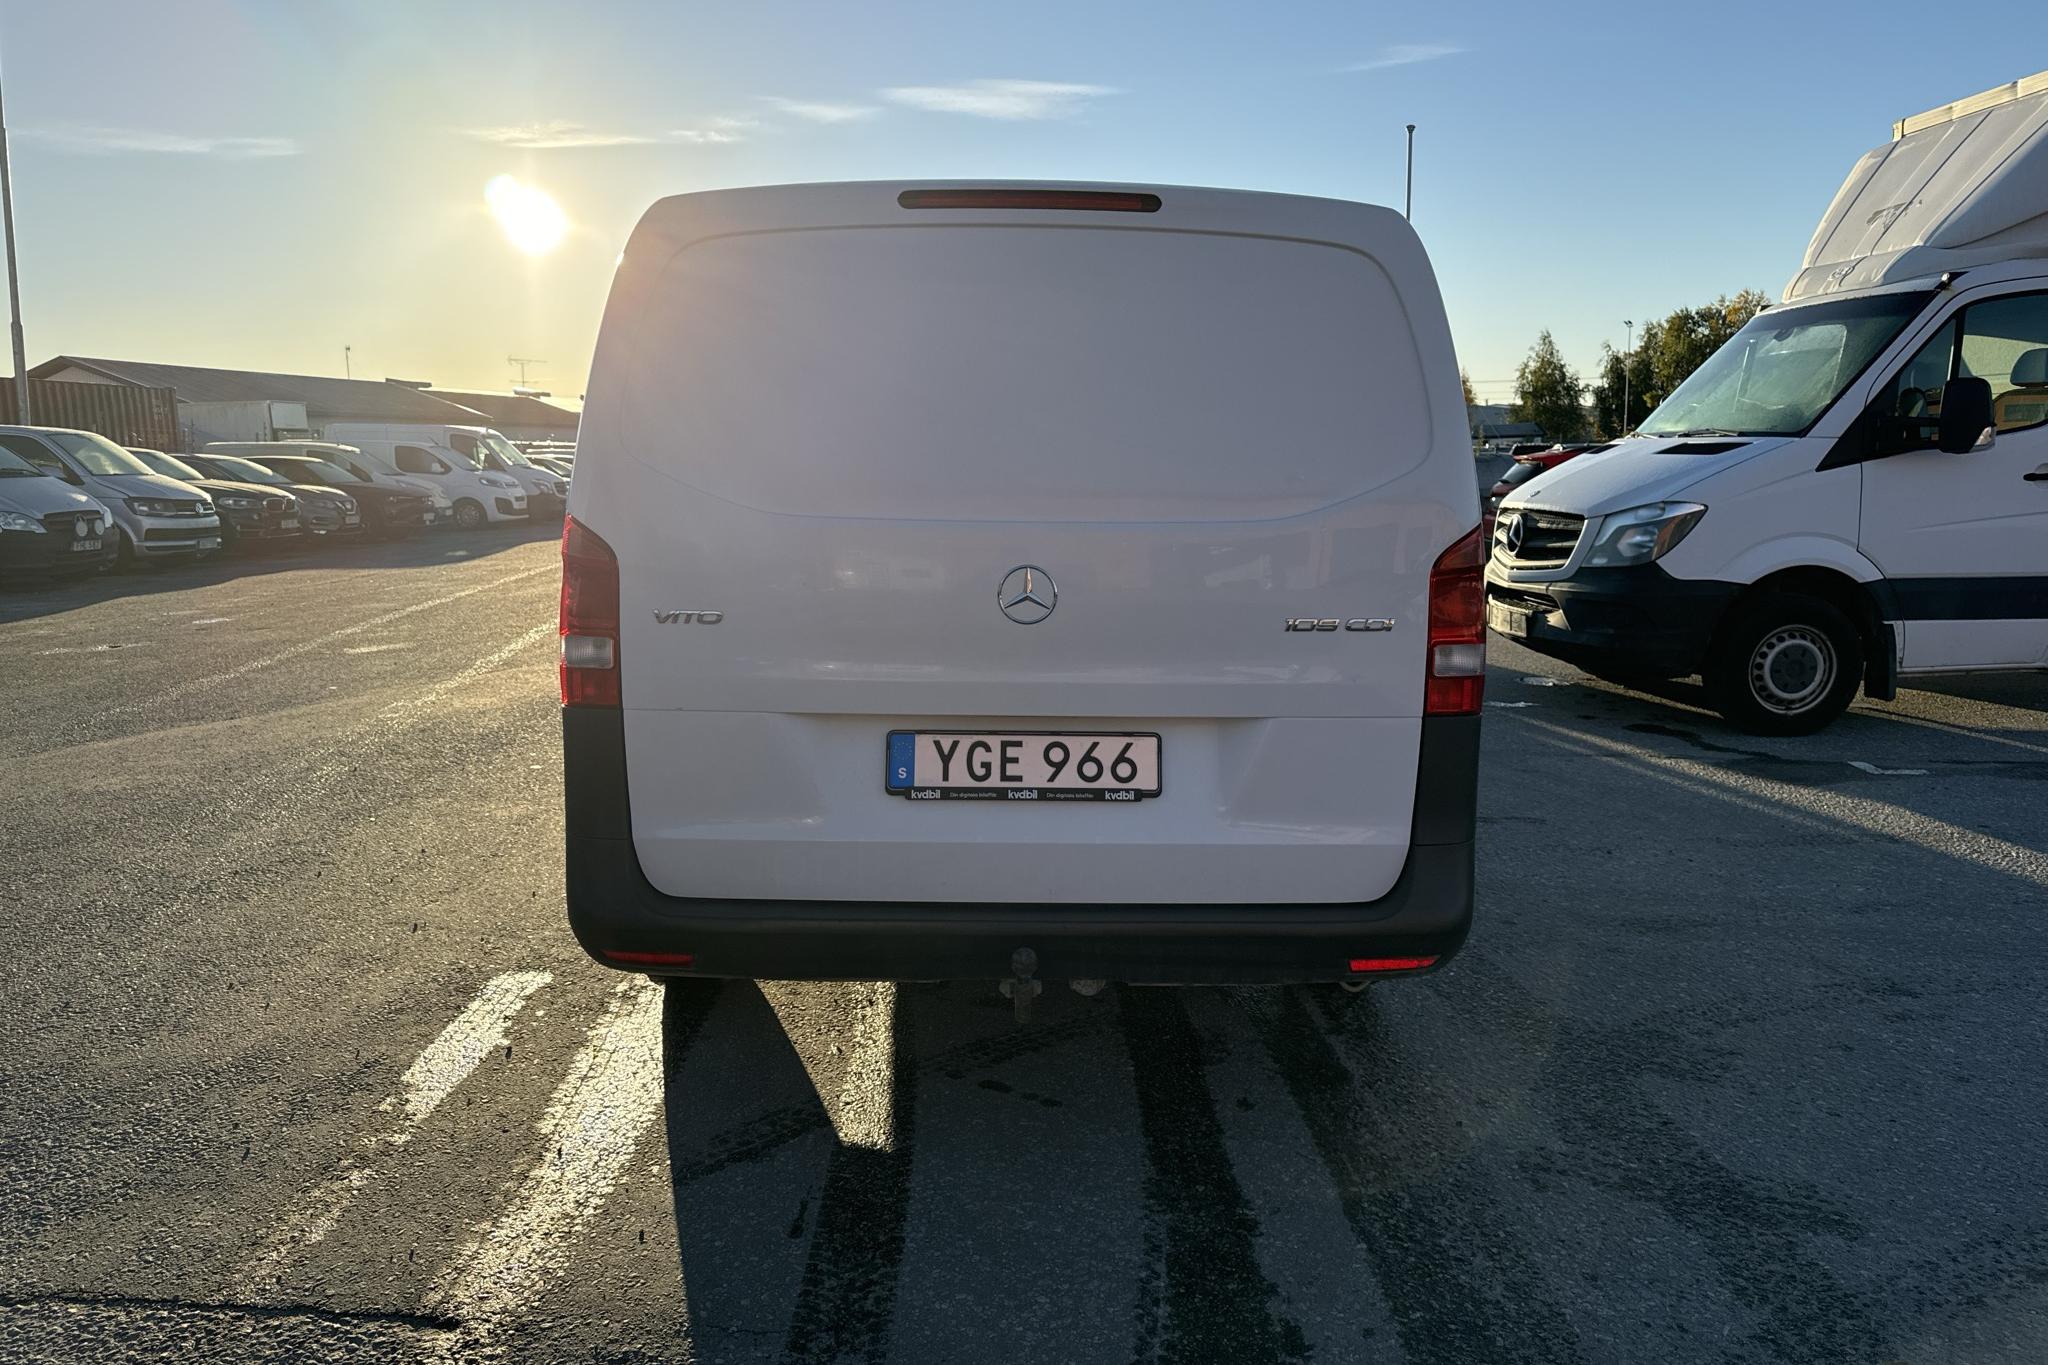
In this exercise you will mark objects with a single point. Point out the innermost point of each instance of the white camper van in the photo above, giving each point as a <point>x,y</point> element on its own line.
<point>424,450</point>
<point>1854,489</point>
<point>1076,583</point>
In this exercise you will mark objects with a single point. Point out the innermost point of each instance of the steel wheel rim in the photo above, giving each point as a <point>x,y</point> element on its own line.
<point>1792,670</point>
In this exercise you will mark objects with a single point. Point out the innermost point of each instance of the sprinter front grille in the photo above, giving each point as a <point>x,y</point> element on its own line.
<point>1536,540</point>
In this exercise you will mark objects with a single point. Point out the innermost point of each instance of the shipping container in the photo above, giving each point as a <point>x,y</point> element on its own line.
<point>129,415</point>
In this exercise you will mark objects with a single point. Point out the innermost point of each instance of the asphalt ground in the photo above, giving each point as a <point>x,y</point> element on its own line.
<point>1745,1060</point>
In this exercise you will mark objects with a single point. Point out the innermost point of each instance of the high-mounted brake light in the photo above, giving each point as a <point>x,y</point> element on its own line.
<point>1457,630</point>
<point>1097,201</point>
<point>590,618</point>
<point>1361,965</point>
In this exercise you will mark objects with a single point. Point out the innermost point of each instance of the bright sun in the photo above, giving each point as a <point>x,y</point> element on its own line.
<point>527,214</point>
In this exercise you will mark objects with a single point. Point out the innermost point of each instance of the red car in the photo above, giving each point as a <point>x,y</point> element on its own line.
<point>1528,464</point>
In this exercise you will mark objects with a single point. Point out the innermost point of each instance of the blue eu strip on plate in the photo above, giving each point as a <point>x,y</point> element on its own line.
<point>902,755</point>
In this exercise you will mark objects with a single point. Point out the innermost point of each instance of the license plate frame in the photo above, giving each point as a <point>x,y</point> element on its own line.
<point>1512,622</point>
<point>901,750</point>
<point>87,546</point>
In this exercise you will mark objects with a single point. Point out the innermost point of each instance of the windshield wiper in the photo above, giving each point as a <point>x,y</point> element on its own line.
<point>1702,431</point>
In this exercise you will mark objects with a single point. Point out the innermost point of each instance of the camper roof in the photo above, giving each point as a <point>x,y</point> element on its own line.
<point>1965,184</point>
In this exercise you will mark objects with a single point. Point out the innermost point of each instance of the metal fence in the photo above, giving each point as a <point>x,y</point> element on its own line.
<point>124,413</point>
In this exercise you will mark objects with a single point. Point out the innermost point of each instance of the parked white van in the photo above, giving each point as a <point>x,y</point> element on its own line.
<point>1855,488</point>
<point>422,450</point>
<point>1076,583</point>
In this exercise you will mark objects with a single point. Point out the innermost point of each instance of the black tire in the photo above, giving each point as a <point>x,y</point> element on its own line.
<point>1784,663</point>
<point>125,557</point>
<point>470,514</point>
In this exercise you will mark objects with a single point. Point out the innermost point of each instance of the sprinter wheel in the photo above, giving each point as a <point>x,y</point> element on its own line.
<point>1785,664</point>
<point>469,514</point>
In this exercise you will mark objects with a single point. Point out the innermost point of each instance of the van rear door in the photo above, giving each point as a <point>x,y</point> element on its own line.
<point>827,428</point>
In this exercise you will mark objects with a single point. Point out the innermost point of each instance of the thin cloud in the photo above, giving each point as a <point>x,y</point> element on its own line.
<point>1014,100</point>
<point>718,130</point>
<point>552,136</point>
<point>95,141</point>
<point>817,111</point>
<point>1406,54</point>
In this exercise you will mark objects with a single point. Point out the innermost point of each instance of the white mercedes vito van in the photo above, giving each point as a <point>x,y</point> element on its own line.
<point>1854,489</point>
<point>971,581</point>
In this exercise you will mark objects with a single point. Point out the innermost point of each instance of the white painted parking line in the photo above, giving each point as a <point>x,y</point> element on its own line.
<point>442,1065</point>
<point>593,1123</point>
<point>378,649</point>
<point>1886,772</point>
<point>1544,680</point>
<point>475,1033</point>
<point>1840,808</point>
<point>212,681</point>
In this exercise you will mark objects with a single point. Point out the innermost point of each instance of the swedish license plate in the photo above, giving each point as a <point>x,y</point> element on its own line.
<point>289,524</point>
<point>934,765</point>
<point>85,546</point>
<point>1512,622</point>
<point>209,542</point>
<point>350,519</point>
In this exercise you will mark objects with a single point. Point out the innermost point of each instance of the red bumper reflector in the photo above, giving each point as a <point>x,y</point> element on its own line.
<point>1391,964</point>
<point>655,959</point>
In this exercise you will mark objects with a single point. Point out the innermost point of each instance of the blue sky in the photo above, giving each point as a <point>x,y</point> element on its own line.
<point>260,183</point>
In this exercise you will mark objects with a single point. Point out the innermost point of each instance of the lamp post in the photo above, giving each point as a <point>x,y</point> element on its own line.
<point>21,408</point>
<point>1408,206</point>
<point>1628,349</point>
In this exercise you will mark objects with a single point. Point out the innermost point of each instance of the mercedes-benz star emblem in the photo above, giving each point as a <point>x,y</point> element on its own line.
<point>1511,532</point>
<point>1027,595</point>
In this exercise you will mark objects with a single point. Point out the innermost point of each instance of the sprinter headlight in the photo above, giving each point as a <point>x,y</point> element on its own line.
<point>1642,534</point>
<point>15,521</point>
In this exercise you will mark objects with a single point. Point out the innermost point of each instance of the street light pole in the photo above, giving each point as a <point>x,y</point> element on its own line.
<point>1628,350</point>
<point>1408,208</point>
<point>348,370</point>
<point>21,408</point>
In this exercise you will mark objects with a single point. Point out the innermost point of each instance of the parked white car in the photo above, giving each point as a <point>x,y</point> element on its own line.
<point>1854,489</point>
<point>478,496</point>
<point>1077,582</point>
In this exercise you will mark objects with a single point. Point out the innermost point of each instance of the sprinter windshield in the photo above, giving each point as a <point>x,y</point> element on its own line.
<point>1784,369</point>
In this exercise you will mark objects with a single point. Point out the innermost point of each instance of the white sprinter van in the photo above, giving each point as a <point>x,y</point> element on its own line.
<point>422,450</point>
<point>1056,583</point>
<point>1854,489</point>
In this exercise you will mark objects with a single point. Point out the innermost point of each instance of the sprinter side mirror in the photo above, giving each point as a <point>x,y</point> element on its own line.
<point>1965,413</point>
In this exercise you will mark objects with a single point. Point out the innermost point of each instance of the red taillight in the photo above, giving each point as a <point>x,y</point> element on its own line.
<point>663,959</point>
<point>1361,965</point>
<point>590,618</point>
<point>1457,629</point>
<point>1098,201</point>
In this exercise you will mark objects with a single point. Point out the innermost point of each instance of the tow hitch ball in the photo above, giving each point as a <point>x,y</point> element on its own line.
<point>1020,986</point>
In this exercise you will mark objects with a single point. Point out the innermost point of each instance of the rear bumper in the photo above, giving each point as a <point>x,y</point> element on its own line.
<point>1638,619</point>
<point>615,911</point>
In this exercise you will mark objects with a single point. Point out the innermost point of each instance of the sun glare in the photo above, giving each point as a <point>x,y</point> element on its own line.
<point>528,215</point>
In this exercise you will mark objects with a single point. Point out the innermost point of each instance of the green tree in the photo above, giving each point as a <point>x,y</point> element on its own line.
<point>1680,343</point>
<point>1549,393</point>
<point>1465,378</point>
<point>1609,422</point>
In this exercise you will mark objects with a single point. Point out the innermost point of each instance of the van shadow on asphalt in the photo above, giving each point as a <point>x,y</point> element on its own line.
<point>28,600</point>
<point>1072,1187</point>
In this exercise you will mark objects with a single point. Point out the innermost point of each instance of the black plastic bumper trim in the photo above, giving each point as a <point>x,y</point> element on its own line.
<point>613,907</point>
